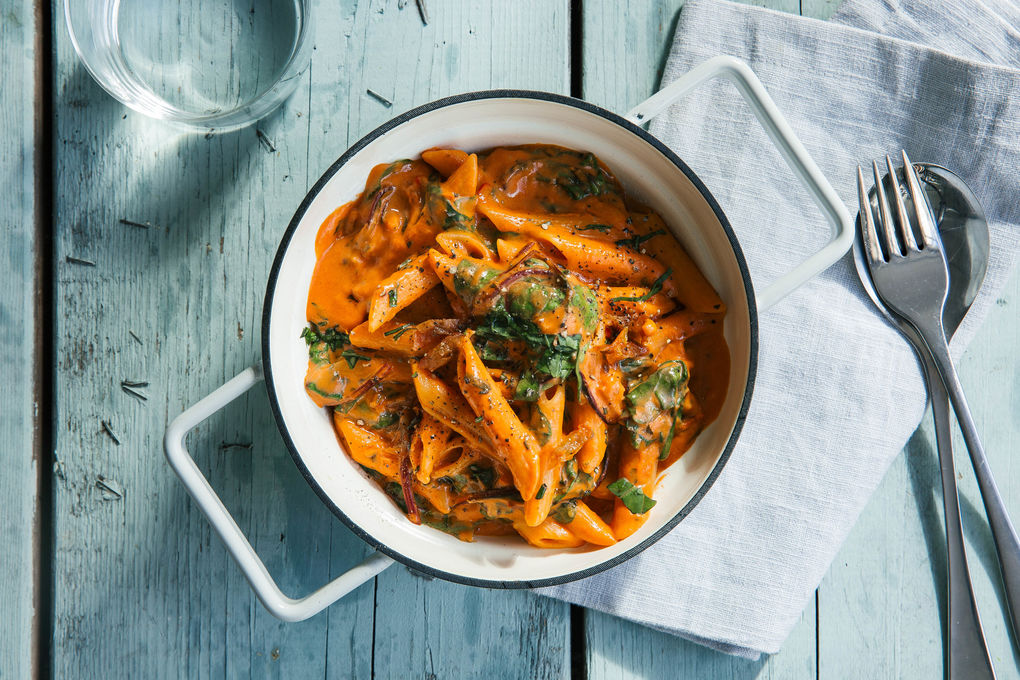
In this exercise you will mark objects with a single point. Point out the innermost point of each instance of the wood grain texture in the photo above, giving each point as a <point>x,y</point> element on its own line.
<point>144,589</point>
<point>625,47</point>
<point>620,649</point>
<point>18,413</point>
<point>883,602</point>
<point>143,586</point>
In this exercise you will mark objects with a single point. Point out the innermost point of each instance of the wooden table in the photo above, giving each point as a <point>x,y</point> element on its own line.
<point>109,570</point>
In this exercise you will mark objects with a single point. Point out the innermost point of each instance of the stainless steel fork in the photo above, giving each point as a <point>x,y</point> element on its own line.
<point>911,276</point>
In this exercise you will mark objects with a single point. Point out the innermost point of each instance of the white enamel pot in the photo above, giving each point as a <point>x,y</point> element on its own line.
<point>649,171</point>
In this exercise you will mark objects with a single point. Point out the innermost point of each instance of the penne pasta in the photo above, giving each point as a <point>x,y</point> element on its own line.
<point>513,443</point>
<point>589,527</point>
<point>446,161</point>
<point>593,451</point>
<point>507,343</point>
<point>432,438</point>
<point>399,290</point>
<point>549,534</point>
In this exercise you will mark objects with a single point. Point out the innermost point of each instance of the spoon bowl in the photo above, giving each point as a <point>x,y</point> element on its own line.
<point>964,230</point>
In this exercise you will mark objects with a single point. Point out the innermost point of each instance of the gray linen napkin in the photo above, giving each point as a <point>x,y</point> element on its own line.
<point>824,424</point>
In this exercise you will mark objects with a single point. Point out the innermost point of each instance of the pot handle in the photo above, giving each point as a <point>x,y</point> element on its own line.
<point>790,148</point>
<point>281,606</point>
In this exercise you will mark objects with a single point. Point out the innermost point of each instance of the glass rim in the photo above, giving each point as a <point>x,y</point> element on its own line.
<point>237,117</point>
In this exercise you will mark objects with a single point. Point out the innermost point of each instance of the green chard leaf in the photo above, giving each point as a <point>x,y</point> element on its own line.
<point>527,387</point>
<point>661,392</point>
<point>583,300</point>
<point>565,512</point>
<point>386,420</point>
<point>471,277</point>
<point>486,476</point>
<point>634,499</point>
<point>322,341</point>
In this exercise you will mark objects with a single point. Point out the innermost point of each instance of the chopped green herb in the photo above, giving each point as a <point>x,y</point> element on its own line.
<point>353,357</point>
<point>556,353</point>
<point>580,184</point>
<point>392,295</point>
<point>636,241</point>
<point>581,352</point>
<point>654,290</point>
<point>312,387</point>
<point>399,330</point>
<point>596,227</point>
<point>332,337</point>
<point>541,492</point>
<point>634,499</point>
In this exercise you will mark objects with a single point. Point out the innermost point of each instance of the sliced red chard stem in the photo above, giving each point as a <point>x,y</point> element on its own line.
<point>405,482</point>
<point>365,387</point>
<point>600,408</point>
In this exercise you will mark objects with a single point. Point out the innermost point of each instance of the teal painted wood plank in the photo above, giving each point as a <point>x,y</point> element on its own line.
<point>146,564</point>
<point>878,612</point>
<point>791,6</point>
<point>882,603</point>
<point>429,628</point>
<point>990,374</point>
<point>142,584</point>
<point>18,416</point>
<point>625,47</point>
<point>819,9</point>
<point>621,649</point>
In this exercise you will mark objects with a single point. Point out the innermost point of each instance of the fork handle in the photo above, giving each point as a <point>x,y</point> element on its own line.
<point>1007,545</point>
<point>967,651</point>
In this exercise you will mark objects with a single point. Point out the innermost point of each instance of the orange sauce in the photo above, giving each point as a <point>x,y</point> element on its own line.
<point>517,290</point>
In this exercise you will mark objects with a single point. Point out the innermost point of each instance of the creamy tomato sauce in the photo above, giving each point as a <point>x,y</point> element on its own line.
<point>509,343</point>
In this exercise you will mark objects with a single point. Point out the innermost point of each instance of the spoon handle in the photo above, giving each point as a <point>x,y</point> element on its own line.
<point>967,651</point>
<point>1007,545</point>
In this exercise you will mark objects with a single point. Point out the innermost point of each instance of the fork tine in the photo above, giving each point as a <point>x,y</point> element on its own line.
<point>868,233</point>
<point>885,220</point>
<point>925,221</point>
<point>903,222</point>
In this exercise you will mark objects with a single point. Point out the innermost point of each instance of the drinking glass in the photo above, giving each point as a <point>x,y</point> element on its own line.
<point>211,65</point>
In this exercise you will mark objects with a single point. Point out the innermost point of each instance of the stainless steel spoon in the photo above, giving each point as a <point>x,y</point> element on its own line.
<point>964,232</point>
